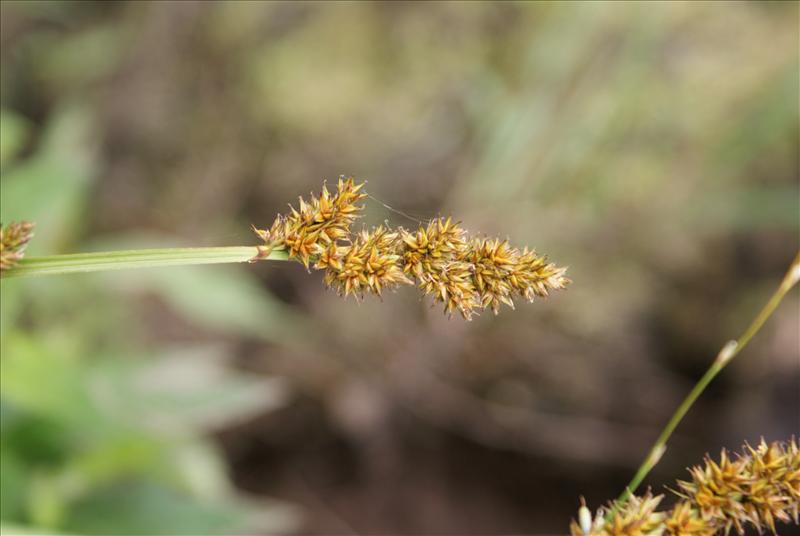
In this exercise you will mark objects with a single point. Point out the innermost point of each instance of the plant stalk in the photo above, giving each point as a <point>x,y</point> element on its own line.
<point>139,258</point>
<point>725,356</point>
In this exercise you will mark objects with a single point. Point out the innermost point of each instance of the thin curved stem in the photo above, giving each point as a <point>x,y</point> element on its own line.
<point>728,352</point>
<point>139,258</point>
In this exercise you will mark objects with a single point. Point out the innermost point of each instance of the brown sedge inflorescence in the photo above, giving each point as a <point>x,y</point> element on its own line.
<point>466,274</point>
<point>757,488</point>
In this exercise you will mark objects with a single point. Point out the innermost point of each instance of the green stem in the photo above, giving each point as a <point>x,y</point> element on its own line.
<point>728,352</point>
<point>139,258</point>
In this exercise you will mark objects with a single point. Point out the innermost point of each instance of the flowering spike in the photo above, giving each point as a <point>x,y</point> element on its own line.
<point>464,274</point>
<point>320,221</point>
<point>758,488</point>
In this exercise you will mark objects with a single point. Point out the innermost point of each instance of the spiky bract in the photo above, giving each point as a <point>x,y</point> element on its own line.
<point>432,255</point>
<point>320,222</point>
<point>370,263</point>
<point>757,488</point>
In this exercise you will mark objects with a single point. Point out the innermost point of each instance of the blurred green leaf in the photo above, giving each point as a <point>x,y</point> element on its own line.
<point>14,530</point>
<point>139,507</point>
<point>46,504</point>
<point>13,484</point>
<point>14,131</point>
<point>202,471</point>
<point>79,59</point>
<point>185,390</point>
<point>36,379</point>
<point>37,440</point>
<point>10,302</point>
<point>50,187</point>
<point>218,297</point>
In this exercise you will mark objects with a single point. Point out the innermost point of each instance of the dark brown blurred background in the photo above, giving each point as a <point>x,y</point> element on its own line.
<point>652,147</point>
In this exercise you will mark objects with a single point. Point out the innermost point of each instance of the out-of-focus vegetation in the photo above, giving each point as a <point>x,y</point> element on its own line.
<point>651,146</point>
<point>102,431</point>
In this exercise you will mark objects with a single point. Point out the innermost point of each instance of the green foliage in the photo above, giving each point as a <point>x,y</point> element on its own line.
<point>14,131</point>
<point>101,434</point>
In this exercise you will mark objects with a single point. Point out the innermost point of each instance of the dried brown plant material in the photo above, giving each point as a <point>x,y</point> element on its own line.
<point>758,488</point>
<point>13,240</point>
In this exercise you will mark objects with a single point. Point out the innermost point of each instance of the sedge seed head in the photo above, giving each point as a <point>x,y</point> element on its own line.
<point>320,222</point>
<point>716,491</point>
<point>463,273</point>
<point>13,240</point>
<point>774,493</point>
<point>756,488</point>
<point>637,517</point>
<point>451,283</point>
<point>502,272</point>
<point>432,255</point>
<point>439,241</point>
<point>470,274</point>
<point>760,487</point>
<point>370,263</point>
<point>493,265</point>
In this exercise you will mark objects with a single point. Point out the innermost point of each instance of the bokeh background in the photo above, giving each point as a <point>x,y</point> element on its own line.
<point>652,147</point>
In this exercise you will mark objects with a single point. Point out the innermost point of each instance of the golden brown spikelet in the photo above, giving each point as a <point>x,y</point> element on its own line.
<point>683,520</point>
<point>320,222</point>
<point>370,263</point>
<point>464,274</point>
<point>493,264</point>
<point>638,517</point>
<point>440,241</point>
<point>773,482</point>
<point>758,488</point>
<point>451,283</point>
<point>502,272</point>
<point>532,276</point>
<point>13,240</point>
<point>432,255</point>
<point>716,491</point>
<point>471,274</point>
